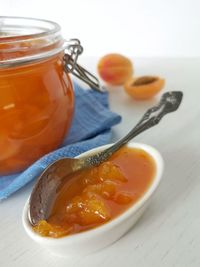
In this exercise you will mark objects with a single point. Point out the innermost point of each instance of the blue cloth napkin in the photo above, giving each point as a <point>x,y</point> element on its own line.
<point>91,127</point>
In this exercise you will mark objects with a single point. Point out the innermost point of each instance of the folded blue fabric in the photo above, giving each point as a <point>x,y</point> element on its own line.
<point>91,127</point>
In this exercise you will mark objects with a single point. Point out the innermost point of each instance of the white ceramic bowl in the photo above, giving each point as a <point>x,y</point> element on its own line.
<point>92,240</point>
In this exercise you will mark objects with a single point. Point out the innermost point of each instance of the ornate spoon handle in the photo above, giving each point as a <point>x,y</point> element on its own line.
<point>169,102</point>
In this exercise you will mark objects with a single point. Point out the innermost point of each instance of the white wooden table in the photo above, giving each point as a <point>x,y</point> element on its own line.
<point>168,234</point>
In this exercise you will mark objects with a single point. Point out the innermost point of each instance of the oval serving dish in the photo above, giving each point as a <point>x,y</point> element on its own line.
<point>95,239</point>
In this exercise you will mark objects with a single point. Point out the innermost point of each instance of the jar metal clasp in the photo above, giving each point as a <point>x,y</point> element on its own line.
<point>72,51</point>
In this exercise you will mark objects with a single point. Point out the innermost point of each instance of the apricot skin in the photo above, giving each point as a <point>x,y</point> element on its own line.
<point>115,69</point>
<point>144,87</point>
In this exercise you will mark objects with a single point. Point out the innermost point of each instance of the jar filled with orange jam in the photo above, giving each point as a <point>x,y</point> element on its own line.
<point>36,94</point>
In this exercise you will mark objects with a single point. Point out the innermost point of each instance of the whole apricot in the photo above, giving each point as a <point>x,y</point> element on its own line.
<point>144,87</point>
<point>115,69</point>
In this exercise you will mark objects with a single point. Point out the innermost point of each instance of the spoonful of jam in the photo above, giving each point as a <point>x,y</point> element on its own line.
<point>56,174</point>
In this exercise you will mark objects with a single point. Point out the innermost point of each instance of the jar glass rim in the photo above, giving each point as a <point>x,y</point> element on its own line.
<point>21,27</point>
<point>24,40</point>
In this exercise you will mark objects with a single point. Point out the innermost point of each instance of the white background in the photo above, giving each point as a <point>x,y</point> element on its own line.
<point>138,28</point>
<point>168,234</point>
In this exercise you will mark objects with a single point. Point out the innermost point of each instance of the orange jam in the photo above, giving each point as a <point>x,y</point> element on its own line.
<point>98,195</point>
<point>36,99</point>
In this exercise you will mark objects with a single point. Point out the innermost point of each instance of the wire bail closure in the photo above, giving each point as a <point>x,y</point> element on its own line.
<point>72,51</point>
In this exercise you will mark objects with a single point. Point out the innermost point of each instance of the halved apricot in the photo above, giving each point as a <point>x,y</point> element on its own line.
<point>144,87</point>
<point>115,69</point>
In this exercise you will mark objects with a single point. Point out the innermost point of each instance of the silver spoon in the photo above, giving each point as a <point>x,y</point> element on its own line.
<point>55,175</point>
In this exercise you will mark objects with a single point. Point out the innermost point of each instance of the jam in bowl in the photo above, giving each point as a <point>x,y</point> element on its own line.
<point>91,212</point>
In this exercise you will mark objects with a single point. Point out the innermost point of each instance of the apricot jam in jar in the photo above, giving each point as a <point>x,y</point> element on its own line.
<point>36,94</point>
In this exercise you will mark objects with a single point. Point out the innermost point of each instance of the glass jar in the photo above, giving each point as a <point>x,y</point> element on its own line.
<point>36,92</point>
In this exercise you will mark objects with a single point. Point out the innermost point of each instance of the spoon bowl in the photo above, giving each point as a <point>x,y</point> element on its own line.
<point>95,239</point>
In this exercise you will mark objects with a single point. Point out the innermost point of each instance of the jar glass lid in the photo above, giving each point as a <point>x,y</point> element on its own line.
<point>21,27</point>
<point>24,40</point>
